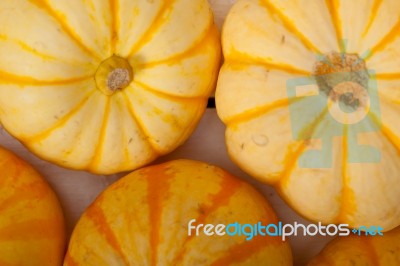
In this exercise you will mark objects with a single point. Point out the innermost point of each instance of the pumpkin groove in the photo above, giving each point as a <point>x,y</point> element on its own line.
<point>160,19</point>
<point>62,120</point>
<point>96,215</point>
<point>115,23</point>
<point>332,6</point>
<point>241,58</point>
<point>157,191</point>
<point>387,40</point>
<point>221,198</point>
<point>45,6</point>
<point>6,78</point>
<point>389,76</point>
<point>289,25</point>
<point>206,37</point>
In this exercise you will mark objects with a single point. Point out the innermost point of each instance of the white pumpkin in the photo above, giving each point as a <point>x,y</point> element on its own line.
<point>105,86</point>
<point>310,94</point>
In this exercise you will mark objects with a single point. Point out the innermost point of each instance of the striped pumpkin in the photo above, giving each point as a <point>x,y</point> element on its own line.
<point>310,95</point>
<point>143,220</point>
<point>32,229</point>
<point>361,250</point>
<point>105,85</point>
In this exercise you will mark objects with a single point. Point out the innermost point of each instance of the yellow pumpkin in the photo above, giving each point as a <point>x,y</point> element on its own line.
<point>105,85</point>
<point>32,229</point>
<point>361,250</point>
<point>309,93</point>
<point>143,219</point>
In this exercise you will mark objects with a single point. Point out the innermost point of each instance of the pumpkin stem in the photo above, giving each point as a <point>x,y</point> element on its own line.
<point>344,78</point>
<point>113,74</point>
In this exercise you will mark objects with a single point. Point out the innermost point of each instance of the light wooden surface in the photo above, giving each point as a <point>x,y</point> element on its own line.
<point>77,189</point>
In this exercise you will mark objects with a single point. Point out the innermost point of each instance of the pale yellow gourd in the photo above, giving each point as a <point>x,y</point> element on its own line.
<point>105,85</point>
<point>302,141</point>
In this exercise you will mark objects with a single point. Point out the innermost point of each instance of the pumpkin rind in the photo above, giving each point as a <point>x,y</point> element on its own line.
<point>365,250</point>
<point>143,219</point>
<point>32,228</point>
<point>268,43</point>
<point>49,97</point>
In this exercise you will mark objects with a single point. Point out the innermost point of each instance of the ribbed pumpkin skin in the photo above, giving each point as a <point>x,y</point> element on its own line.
<point>142,220</point>
<point>32,229</point>
<point>357,251</point>
<point>49,92</point>
<point>266,44</point>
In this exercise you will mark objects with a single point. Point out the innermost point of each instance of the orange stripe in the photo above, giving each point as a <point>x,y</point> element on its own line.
<point>61,122</point>
<point>228,187</point>
<point>388,39</point>
<point>289,25</point>
<point>44,5</point>
<point>290,162</point>
<point>256,112</point>
<point>96,214</point>
<point>237,57</point>
<point>158,179</point>
<point>348,204</point>
<point>389,135</point>
<point>24,195</point>
<point>6,78</point>
<point>69,261</point>
<point>98,152</point>
<point>243,251</point>
<point>120,106</point>
<point>175,98</point>
<point>161,17</point>
<point>26,47</point>
<point>33,51</point>
<point>114,8</point>
<point>32,229</point>
<point>388,76</point>
<point>372,17</point>
<point>207,36</point>
<point>140,125</point>
<point>333,8</point>
<point>293,155</point>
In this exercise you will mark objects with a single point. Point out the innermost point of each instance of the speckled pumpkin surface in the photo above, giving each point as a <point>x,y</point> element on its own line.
<point>32,230</point>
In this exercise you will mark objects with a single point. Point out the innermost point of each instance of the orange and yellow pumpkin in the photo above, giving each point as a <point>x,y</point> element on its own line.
<point>143,219</point>
<point>361,250</point>
<point>105,85</point>
<point>32,229</point>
